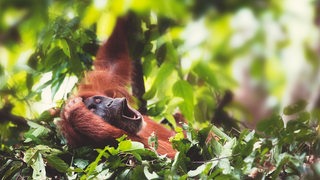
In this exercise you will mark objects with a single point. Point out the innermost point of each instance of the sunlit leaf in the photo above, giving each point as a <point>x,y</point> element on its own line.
<point>35,132</point>
<point>220,134</point>
<point>149,175</point>
<point>185,91</point>
<point>56,85</point>
<point>34,158</point>
<point>38,166</point>
<point>65,48</point>
<point>197,171</point>
<point>81,163</point>
<point>125,145</point>
<point>150,93</point>
<point>164,72</point>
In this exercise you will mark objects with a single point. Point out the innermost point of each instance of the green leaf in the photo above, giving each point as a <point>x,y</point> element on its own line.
<point>304,117</point>
<point>164,72</point>
<point>47,39</point>
<point>196,172</point>
<point>158,107</point>
<point>219,133</point>
<point>122,138</point>
<point>65,47</point>
<point>271,126</point>
<point>29,155</point>
<point>75,64</point>
<point>182,145</point>
<point>124,145</point>
<point>39,171</point>
<point>317,167</point>
<point>54,58</point>
<point>57,163</point>
<point>149,175</point>
<point>14,168</point>
<point>35,132</point>
<point>225,176</point>
<point>136,145</point>
<point>148,64</point>
<point>162,77</point>
<point>81,163</point>
<point>295,108</point>
<point>92,166</point>
<point>44,85</point>
<point>205,72</point>
<point>5,165</point>
<point>38,166</point>
<point>45,116</point>
<point>56,84</point>
<point>73,23</point>
<point>150,93</point>
<point>184,90</point>
<point>284,159</point>
<point>161,53</point>
<point>180,163</point>
<point>224,164</point>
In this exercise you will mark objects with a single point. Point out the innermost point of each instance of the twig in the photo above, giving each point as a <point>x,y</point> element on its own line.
<point>215,159</point>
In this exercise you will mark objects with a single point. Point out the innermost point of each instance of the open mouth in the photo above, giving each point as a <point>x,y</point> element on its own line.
<point>128,112</point>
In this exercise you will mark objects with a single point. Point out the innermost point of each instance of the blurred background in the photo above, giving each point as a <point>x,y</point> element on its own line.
<point>242,60</point>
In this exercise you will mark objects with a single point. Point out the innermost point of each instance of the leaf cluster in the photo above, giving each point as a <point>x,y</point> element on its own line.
<point>274,151</point>
<point>64,49</point>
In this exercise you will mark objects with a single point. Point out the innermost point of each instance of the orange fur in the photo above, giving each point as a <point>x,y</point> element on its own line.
<point>110,77</point>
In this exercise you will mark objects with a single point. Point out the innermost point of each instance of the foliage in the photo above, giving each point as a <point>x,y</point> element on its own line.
<point>187,49</point>
<point>274,151</point>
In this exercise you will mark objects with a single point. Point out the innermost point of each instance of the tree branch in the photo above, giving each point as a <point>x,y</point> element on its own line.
<point>138,88</point>
<point>5,115</point>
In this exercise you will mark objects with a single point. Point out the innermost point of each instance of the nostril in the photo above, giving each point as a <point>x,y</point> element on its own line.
<point>92,107</point>
<point>109,104</point>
